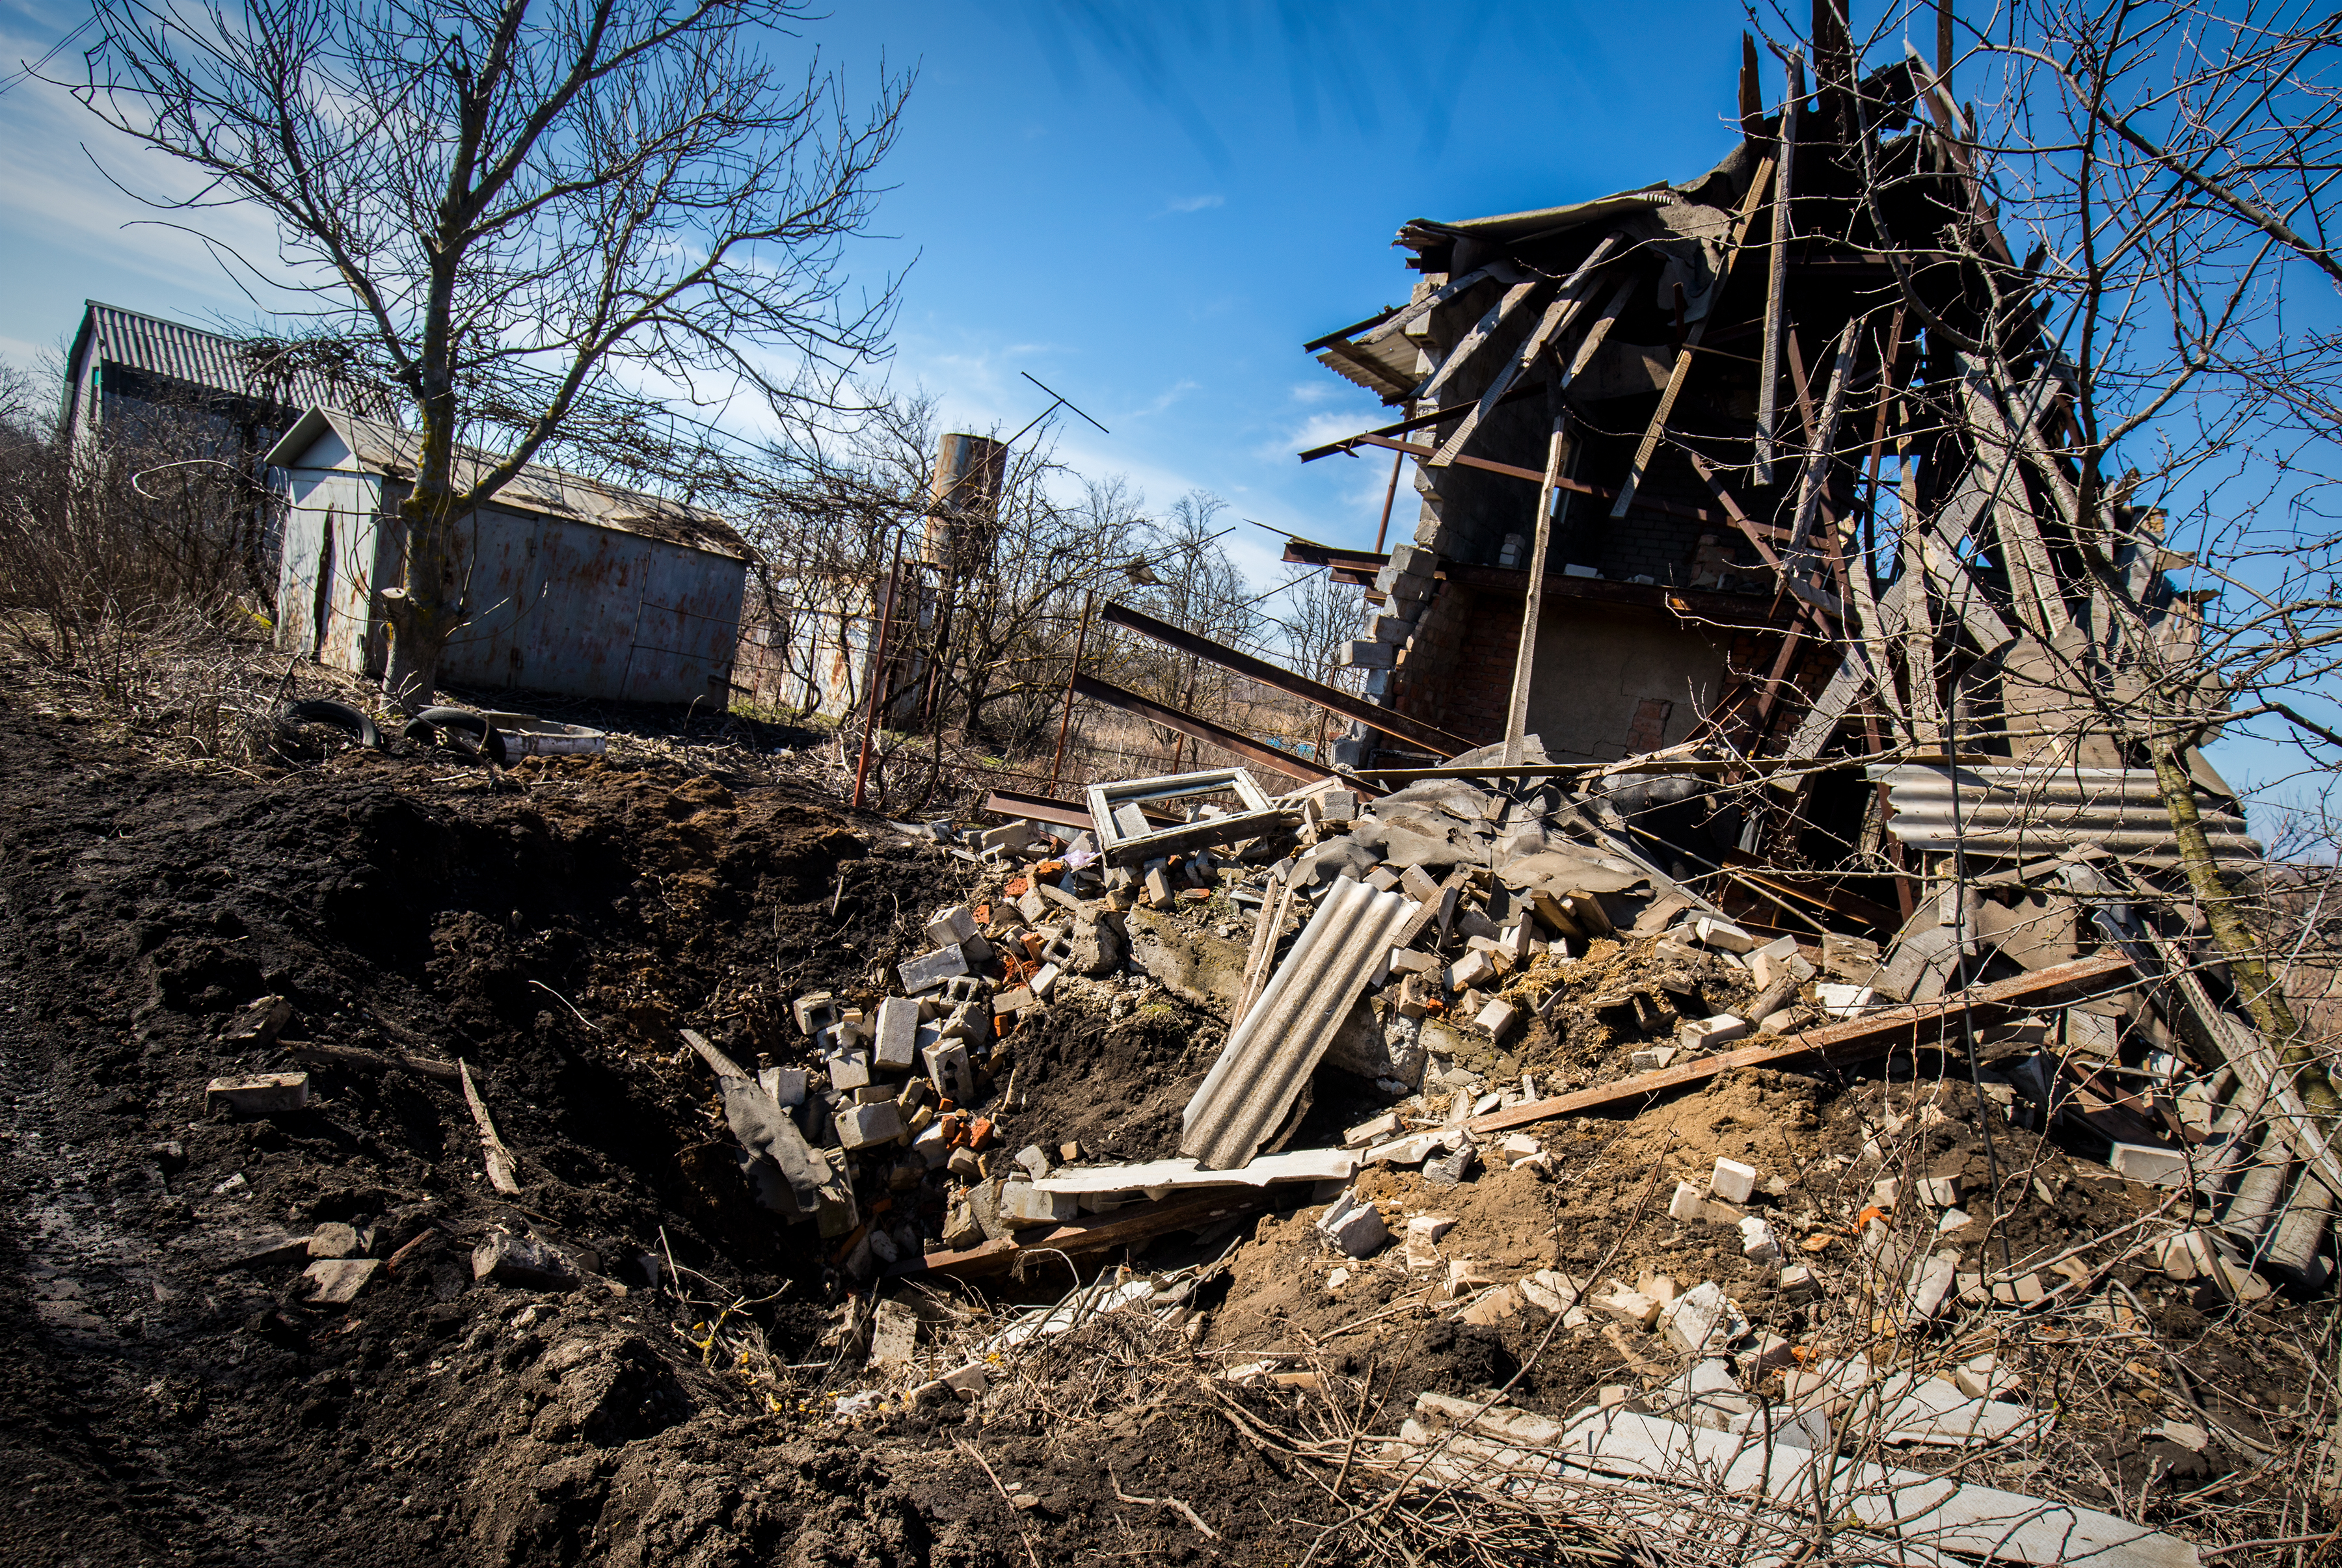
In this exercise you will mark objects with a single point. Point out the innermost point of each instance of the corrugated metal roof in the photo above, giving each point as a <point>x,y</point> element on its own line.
<point>388,450</point>
<point>150,344</point>
<point>2031,813</point>
<point>1275,1047</point>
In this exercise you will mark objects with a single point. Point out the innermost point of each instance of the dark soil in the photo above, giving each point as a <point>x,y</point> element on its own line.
<point>171,1401</point>
<point>168,1404</point>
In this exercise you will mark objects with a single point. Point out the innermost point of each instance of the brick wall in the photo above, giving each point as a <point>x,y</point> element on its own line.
<point>1457,673</point>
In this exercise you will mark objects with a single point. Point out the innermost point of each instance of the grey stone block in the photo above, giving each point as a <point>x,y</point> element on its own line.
<point>948,1065</point>
<point>258,1094</point>
<point>867,1126</point>
<point>930,970</point>
<point>897,1034</point>
<point>510,1260</point>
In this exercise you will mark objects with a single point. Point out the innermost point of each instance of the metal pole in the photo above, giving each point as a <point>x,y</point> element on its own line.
<point>1398,460</point>
<point>877,675</point>
<point>1517,712</point>
<point>1065,723</point>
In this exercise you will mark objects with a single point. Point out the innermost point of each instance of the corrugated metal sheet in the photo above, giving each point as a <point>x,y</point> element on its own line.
<point>2027,813</point>
<point>574,605</point>
<point>153,346</point>
<point>1277,1045</point>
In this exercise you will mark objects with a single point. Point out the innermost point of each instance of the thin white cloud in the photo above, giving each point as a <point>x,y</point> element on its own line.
<point>1165,399</point>
<point>1192,203</point>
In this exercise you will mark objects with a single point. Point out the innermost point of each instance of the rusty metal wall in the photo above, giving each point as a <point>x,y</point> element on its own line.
<point>557,606</point>
<point>568,608</point>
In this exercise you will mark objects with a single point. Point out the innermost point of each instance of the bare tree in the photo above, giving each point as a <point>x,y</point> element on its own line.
<point>1322,618</point>
<point>2171,164</point>
<point>2128,373</point>
<point>519,213</point>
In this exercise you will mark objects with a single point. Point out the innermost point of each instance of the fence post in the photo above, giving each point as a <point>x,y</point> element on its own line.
<point>1066,721</point>
<point>877,675</point>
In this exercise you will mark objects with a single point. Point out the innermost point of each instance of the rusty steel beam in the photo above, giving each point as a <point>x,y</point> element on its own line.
<point>1415,732</point>
<point>1210,734</point>
<point>1912,1027</point>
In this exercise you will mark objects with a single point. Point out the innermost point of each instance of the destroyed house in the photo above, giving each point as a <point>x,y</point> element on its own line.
<point>1788,516</point>
<point>572,587</point>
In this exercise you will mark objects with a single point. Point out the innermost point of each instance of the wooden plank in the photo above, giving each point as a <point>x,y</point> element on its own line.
<point>1649,449</point>
<point>1776,283</point>
<point>1415,732</point>
<point>317,1053</point>
<point>1081,1238</point>
<point>1516,706</point>
<point>1557,315</point>
<point>1202,729</point>
<point>1483,332</point>
<point>1909,1028</point>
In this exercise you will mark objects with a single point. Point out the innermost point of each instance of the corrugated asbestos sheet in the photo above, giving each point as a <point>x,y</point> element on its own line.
<point>183,353</point>
<point>1277,1045</point>
<point>2027,813</point>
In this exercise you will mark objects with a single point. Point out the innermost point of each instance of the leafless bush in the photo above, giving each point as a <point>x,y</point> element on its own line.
<point>130,573</point>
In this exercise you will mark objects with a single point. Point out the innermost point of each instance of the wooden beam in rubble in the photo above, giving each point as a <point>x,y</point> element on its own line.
<point>1925,1026</point>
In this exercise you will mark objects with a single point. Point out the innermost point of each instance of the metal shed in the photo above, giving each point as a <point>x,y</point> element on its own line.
<point>574,587</point>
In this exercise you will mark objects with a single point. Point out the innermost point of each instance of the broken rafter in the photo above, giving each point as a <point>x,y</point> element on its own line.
<point>499,1159</point>
<point>1557,315</point>
<point>1822,451</point>
<point>1643,454</point>
<point>1483,332</point>
<point>1405,316</point>
<point>1599,332</point>
<point>1415,732</point>
<point>1951,135</point>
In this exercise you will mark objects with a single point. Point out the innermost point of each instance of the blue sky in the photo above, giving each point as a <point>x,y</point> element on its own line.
<point>1151,224</point>
<point>1149,207</point>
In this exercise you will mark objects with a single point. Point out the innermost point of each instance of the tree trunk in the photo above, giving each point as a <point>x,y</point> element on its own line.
<point>2256,986</point>
<point>427,607</point>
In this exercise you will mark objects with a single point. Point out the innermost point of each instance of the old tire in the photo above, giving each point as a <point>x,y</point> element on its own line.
<point>341,716</point>
<point>472,732</point>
